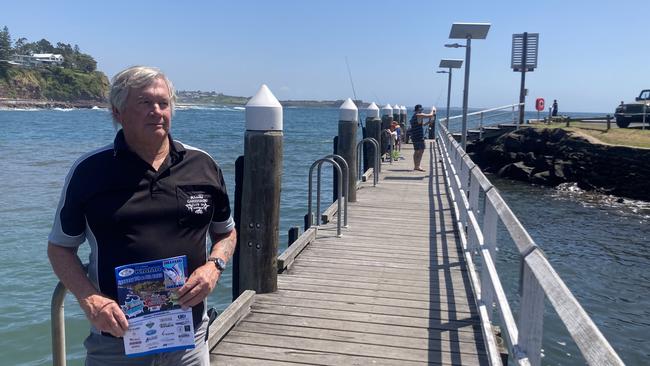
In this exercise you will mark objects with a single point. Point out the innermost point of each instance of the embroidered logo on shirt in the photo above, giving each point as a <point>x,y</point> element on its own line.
<point>197,204</point>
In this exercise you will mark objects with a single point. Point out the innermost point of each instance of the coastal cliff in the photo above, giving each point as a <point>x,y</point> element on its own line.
<point>554,156</point>
<point>43,85</point>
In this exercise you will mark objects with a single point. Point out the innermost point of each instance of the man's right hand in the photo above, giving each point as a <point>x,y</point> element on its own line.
<point>105,314</point>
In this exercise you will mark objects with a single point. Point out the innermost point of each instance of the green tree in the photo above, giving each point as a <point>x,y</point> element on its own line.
<point>44,46</point>
<point>5,44</point>
<point>85,63</point>
<point>19,45</point>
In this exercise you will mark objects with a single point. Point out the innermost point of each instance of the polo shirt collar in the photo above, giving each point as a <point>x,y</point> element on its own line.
<point>176,149</point>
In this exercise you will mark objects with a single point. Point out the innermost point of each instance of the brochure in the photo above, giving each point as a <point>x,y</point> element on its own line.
<point>146,293</point>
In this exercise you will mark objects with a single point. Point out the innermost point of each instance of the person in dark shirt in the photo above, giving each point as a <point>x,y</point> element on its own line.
<point>417,135</point>
<point>554,108</point>
<point>144,197</point>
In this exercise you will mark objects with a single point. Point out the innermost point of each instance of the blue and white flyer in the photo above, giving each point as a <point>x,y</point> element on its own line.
<point>146,293</point>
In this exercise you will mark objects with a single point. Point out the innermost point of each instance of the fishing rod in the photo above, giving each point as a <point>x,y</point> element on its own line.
<point>354,92</point>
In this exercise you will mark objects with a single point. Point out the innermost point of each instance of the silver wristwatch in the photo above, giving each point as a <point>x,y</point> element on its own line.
<point>218,262</point>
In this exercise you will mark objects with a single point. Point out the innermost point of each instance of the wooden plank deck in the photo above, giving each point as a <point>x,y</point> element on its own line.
<point>393,290</point>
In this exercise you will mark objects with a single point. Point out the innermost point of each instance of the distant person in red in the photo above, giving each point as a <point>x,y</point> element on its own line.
<point>554,109</point>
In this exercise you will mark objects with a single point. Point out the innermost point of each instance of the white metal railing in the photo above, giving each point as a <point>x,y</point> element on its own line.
<point>488,117</point>
<point>538,279</point>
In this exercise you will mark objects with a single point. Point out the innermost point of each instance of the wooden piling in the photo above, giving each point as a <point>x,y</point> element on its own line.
<point>293,234</point>
<point>373,127</point>
<point>386,116</point>
<point>347,144</point>
<point>260,214</point>
<point>386,120</point>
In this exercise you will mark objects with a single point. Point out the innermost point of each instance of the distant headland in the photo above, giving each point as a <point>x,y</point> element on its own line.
<point>198,97</point>
<point>42,75</point>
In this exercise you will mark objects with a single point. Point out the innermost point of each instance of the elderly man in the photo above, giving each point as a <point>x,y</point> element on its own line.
<point>135,200</point>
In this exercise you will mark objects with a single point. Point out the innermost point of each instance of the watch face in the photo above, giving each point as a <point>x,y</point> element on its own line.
<point>221,264</point>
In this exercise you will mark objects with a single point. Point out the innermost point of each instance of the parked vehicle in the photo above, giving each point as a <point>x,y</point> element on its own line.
<point>638,111</point>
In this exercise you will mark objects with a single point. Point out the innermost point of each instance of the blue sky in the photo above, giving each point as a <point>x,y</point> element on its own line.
<point>592,54</point>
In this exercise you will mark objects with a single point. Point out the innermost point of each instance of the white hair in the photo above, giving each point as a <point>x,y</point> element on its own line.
<point>136,77</point>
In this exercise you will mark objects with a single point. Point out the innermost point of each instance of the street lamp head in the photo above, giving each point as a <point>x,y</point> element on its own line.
<point>442,72</point>
<point>454,45</point>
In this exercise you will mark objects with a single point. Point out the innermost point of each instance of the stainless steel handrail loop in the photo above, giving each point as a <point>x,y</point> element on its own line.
<point>58,325</point>
<point>346,186</point>
<point>375,145</point>
<point>340,189</point>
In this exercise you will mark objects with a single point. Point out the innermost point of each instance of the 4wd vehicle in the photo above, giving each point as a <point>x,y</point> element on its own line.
<point>627,113</point>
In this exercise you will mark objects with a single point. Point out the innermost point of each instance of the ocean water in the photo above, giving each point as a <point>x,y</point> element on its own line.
<point>598,245</point>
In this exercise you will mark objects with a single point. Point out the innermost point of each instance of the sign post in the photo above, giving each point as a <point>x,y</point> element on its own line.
<point>524,58</point>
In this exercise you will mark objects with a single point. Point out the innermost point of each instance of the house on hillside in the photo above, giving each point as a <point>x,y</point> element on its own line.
<point>37,59</point>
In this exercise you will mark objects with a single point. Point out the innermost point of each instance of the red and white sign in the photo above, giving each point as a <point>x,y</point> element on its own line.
<point>539,104</point>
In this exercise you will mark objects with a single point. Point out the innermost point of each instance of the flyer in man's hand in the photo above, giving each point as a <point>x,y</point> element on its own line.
<point>147,294</point>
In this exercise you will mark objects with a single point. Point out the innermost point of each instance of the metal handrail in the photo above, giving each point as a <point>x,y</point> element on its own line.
<point>58,325</point>
<point>310,217</point>
<point>538,279</point>
<point>377,164</point>
<point>442,120</point>
<point>346,185</point>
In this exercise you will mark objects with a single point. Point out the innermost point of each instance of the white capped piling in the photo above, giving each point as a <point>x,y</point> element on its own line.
<point>396,111</point>
<point>347,144</point>
<point>373,127</point>
<point>260,213</point>
<point>386,120</point>
<point>386,116</point>
<point>402,115</point>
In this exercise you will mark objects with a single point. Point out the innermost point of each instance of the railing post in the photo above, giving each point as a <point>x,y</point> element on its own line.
<point>489,242</point>
<point>609,122</point>
<point>531,317</point>
<point>480,127</point>
<point>262,178</point>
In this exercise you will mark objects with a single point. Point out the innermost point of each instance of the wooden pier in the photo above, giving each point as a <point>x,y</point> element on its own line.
<point>393,290</point>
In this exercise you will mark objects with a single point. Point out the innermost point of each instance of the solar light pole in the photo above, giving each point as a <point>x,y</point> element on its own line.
<point>449,64</point>
<point>467,31</point>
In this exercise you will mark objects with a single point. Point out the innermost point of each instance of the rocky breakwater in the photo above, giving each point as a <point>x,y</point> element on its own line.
<point>555,156</point>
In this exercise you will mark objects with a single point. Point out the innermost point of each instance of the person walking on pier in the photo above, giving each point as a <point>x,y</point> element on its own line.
<point>143,197</point>
<point>554,108</point>
<point>417,135</point>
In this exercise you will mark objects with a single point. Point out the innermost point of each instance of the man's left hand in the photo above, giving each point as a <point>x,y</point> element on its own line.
<point>202,281</point>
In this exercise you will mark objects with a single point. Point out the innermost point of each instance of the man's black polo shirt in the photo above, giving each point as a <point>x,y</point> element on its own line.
<point>131,213</point>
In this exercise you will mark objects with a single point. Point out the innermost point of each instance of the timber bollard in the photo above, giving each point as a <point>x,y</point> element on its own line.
<point>294,233</point>
<point>347,144</point>
<point>386,120</point>
<point>402,120</point>
<point>260,213</point>
<point>373,128</point>
<point>396,112</point>
<point>609,122</point>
